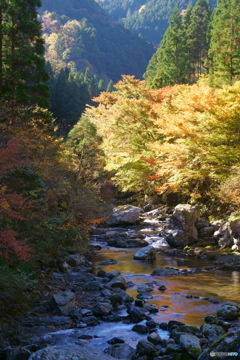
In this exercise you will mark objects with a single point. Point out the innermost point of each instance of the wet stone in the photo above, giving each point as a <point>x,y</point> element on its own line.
<point>155,339</point>
<point>120,351</point>
<point>163,326</point>
<point>109,262</point>
<point>141,329</point>
<point>151,308</point>
<point>115,340</point>
<point>162,288</point>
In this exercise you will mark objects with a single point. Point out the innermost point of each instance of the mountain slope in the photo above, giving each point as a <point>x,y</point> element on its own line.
<point>149,18</point>
<point>82,34</point>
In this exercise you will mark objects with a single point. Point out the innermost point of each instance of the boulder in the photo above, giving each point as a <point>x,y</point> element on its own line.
<point>124,242</point>
<point>119,282</point>
<point>112,274</point>
<point>137,314</point>
<point>227,343</point>
<point>155,339</point>
<point>63,302</point>
<point>228,311</point>
<point>146,253</point>
<point>236,246</point>
<point>75,260</point>
<point>207,231</point>
<point>124,215</point>
<point>109,262</point>
<point>144,347</point>
<point>69,353</point>
<point>115,340</point>
<point>17,354</point>
<point>167,271</point>
<point>223,236</point>
<point>141,329</point>
<point>102,309</point>
<point>180,229</point>
<point>151,308</point>
<point>125,297</point>
<point>120,351</point>
<point>93,285</point>
<point>212,332</point>
<point>90,320</point>
<point>191,344</point>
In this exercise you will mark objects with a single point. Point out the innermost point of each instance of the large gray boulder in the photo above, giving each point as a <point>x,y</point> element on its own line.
<point>180,229</point>
<point>191,344</point>
<point>120,351</point>
<point>146,253</point>
<point>223,236</point>
<point>63,302</point>
<point>69,353</point>
<point>228,311</point>
<point>228,233</point>
<point>76,260</point>
<point>212,332</point>
<point>126,214</point>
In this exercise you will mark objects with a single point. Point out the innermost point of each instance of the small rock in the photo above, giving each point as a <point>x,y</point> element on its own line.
<point>155,339</point>
<point>102,309</point>
<point>151,308</point>
<point>141,329</point>
<point>162,288</point>
<point>118,281</point>
<point>109,262</point>
<point>115,340</point>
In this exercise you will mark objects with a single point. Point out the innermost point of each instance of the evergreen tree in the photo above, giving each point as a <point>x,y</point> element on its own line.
<point>197,25</point>
<point>22,72</point>
<point>110,86</point>
<point>224,53</point>
<point>168,66</point>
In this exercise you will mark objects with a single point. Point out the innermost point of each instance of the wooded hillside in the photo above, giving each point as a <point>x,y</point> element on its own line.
<point>149,18</point>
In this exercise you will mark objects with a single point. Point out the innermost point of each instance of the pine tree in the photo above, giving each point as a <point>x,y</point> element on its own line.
<point>168,66</point>
<point>22,72</point>
<point>224,53</point>
<point>197,25</point>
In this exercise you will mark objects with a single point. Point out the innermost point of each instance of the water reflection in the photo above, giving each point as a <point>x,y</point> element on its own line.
<point>223,285</point>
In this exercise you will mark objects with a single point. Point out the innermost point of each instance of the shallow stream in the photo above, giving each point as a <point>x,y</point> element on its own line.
<point>222,285</point>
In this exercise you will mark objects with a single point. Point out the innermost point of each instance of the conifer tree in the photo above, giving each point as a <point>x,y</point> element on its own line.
<point>197,25</point>
<point>224,53</point>
<point>22,72</point>
<point>168,66</point>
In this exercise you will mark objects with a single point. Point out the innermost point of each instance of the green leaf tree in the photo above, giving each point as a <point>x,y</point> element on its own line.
<point>168,66</point>
<point>197,38</point>
<point>224,52</point>
<point>22,72</point>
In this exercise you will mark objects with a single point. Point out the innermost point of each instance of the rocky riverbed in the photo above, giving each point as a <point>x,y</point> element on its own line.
<point>93,313</point>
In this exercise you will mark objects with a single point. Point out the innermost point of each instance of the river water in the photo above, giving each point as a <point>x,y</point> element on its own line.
<point>222,285</point>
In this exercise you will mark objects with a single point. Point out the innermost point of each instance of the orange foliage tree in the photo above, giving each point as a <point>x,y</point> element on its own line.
<point>12,206</point>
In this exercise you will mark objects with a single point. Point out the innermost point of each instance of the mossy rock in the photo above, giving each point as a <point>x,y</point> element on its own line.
<point>211,256</point>
<point>189,329</point>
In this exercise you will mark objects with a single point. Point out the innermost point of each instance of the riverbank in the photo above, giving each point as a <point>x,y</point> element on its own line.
<point>86,305</point>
